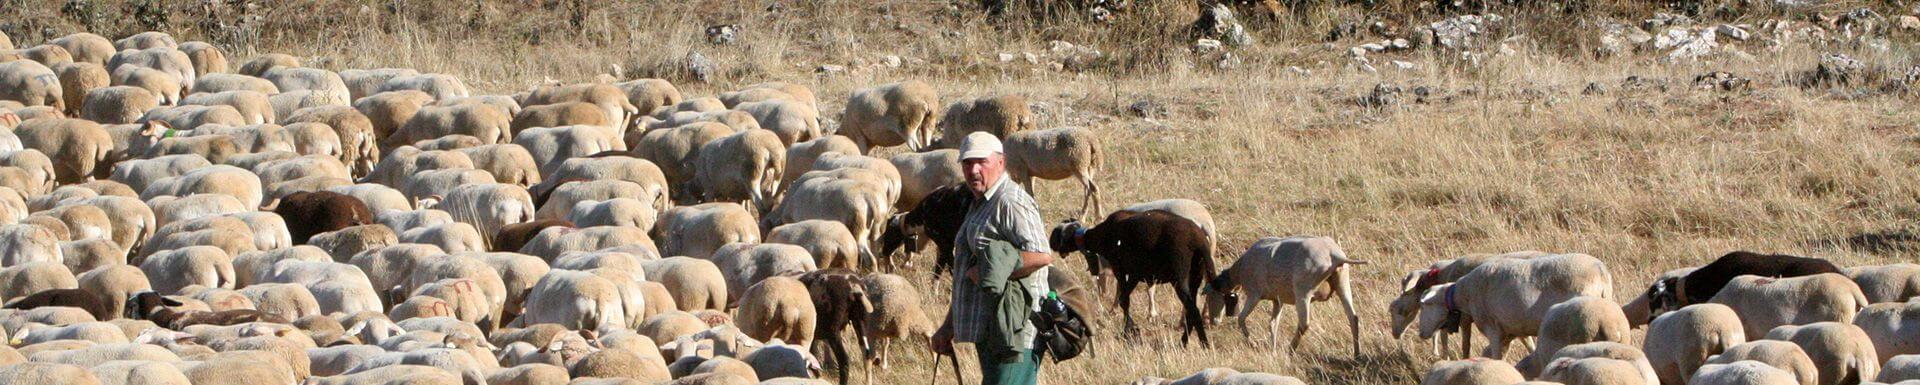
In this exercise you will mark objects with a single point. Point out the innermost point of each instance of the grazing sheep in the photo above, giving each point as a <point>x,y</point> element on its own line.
<point>395,375</point>
<point>26,243</point>
<point>890,115</point>
<point>1472,371</point>
<point>1764,303</point>
<point>530,374</point>
<point>508,163</point>
<point>1900,368</point>
<point>1151,247</point>
<point>897,315</point>
<point>747,264</point>
<point>96,332</point>
<point>1891,327</point>
<point>777,308</point>
<point>1688,337</point>
<point>1842,351</point>
<point>1610,350</point>
<point>1287,271</point>
<point>194,265</point>
<point>46,374</point>
<point>677,151</point>
<point>778,359</point>
<point>21,280</point>
<point>697,231</point>
<point>1741,373</point>
<point>577,300</point>
<point>694,283</point>
<point>829,242</point>
<point>612,166</point>
<point>85,47</point>
<point>801,155</point>
<point>742,167</point>
<point>792,121</point>
<point>611,100</point>
<point>77,147</point>
<point>1890,283</point>
<point>31,84</point>
<point>1000,115</point>
<point>117,104</point>
<point>441,86</point>
<point>649,95</point>
<point>559,202</point>
<point>78,79</point>
<point>169,87</point>
<point>1577,321</point>
<point>130,372</point>
<point>1592,371</point>
<point>1779,354</point>
<point>857,198</point>
<point>343,244</point>
<point>560,114</point>
<point>624,212</point>
<point>1055,154</point>
<point>1509,298</point>
<point>923,173</point>
<point>1702,284</point>
<point>620,363</point>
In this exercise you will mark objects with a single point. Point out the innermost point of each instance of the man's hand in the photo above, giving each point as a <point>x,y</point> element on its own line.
<point>942,343</point>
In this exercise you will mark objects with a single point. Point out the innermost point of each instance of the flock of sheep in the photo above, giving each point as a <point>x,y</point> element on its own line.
<point>1745,318</point>
<point>169,220</point>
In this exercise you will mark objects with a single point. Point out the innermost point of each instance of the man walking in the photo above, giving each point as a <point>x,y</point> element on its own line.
<point>1000,274</point>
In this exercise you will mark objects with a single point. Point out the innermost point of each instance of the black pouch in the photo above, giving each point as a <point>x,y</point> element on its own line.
<point>1063,333</point>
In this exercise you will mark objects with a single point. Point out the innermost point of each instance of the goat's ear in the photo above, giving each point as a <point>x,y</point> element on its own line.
<point>170,302</point>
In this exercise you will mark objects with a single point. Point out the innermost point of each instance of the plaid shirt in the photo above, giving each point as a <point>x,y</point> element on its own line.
<point>1007,214</point>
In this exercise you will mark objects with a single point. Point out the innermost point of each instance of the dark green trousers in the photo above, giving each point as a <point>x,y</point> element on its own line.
<point>1021,368</point>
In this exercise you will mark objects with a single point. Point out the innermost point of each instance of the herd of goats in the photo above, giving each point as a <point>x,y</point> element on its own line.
<point>171,220</point>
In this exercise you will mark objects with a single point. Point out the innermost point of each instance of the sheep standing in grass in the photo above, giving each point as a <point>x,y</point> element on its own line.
<point>1687,337</point>
<point>1508,299</point>
<point>1055,154</point>
<point>897,315</point>
<point>891,115</point>
<point>777,308</point>
<point>1287,271</point>
<point>1577,321</point>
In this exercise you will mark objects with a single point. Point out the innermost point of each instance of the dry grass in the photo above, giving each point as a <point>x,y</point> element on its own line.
<point>1509,155</point>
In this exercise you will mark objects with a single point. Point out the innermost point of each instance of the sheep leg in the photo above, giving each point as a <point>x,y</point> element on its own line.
<point>1273,326</point>
<point>1496,344</point>
<point>1302,309</point>
<point>1345,286</point>
<point>1466,337</point>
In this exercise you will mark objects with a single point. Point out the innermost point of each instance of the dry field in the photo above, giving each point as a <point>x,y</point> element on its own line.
<point>1508,154</point>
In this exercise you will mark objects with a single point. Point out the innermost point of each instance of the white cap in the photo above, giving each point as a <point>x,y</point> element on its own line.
<point>980,144</point>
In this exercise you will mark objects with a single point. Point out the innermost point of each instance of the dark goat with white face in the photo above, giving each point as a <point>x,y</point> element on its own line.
<point>1150,247</point>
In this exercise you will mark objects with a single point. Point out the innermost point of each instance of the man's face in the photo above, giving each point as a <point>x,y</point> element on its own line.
<point>982,172</point>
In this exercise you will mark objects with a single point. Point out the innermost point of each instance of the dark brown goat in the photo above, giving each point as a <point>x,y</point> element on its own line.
<point>154,307</point>
<point>1147,247</point>
<point>839,300</point>
<point>100,308</point>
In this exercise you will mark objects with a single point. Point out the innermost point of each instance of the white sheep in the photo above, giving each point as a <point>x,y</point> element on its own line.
<point>1687,337</point>
<point>1472,371</point>
<point>1742,373</point>
<point>1841,351</point>
<point>1577,321</point>
<point>1764,303</point>
<point>1507,299</point>
<point>1779,354</point>
<point>1288,271</point>
<point>1889,283</point>
<point>897,314</point>
<point>777,308</point>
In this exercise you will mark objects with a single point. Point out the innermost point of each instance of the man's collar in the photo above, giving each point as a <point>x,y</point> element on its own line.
<point>995,188</point>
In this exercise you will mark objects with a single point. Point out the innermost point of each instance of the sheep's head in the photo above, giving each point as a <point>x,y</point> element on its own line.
<point>1664,296</point>
<point>146,303</point>
<point>1437,311</point>
<point>1403,309</point>
<point>1222,298</point>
